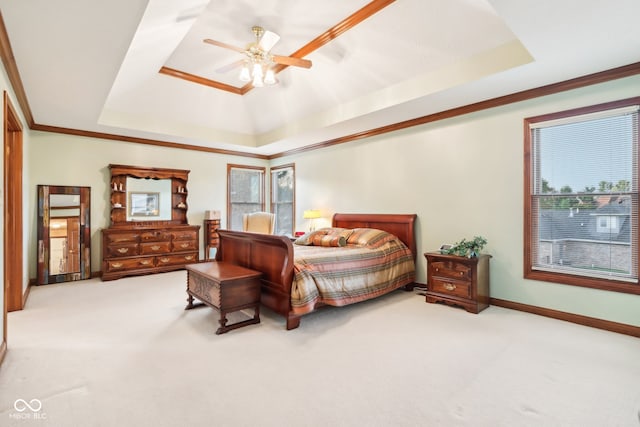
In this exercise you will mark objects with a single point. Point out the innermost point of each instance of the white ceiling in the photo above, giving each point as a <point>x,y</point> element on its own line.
<point>94,65</point>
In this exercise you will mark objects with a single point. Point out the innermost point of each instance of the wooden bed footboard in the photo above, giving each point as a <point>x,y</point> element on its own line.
<point>271,255</point>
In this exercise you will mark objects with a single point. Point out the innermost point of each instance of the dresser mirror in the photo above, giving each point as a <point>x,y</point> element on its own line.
<point>144,196</point>
<point>64,234</point>
<point>148,199</point>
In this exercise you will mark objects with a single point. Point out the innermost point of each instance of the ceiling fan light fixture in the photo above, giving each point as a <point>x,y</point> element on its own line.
<point>270,77</point>
<point>258,64</point>
<point>257,76</point>
<point>245,74</point>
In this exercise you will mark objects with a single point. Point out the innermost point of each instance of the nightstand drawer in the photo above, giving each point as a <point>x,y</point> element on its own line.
<point>452,269</point>
<point>450,287</point>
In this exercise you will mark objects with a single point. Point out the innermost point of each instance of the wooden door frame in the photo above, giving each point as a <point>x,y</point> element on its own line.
<point>13,241</point>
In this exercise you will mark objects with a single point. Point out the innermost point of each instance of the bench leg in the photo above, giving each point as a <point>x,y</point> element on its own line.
<point>189,302</point>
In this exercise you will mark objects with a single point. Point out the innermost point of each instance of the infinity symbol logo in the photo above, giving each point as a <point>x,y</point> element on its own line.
<point>21,405</point>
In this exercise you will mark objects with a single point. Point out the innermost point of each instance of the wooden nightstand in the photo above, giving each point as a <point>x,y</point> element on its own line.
<point>457,280</point>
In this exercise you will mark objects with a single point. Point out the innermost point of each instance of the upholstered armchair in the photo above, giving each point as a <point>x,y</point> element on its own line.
<point>259,222</point>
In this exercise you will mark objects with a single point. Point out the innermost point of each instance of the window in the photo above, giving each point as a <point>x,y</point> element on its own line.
<point>581,197</point>
<point>607,224</point>
<point>245,193</point>
<point>283,198</point>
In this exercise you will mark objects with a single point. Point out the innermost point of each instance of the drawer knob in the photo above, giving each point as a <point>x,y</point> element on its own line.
<point>123,250</point>
<point>184,245</point>
<point>437,269</point>
<point>461,273</point>
<point>189,257</point>
<point>155,247</point>
<point>165,260</point>
<point>116,265</point>
<point>449,286</point>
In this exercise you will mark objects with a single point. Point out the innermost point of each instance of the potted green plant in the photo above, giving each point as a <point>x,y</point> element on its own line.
<point>468,248</point>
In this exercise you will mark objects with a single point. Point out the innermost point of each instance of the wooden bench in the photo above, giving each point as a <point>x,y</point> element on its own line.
<point>227,288</point>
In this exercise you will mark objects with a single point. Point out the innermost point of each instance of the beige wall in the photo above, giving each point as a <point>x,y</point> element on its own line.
<point>462,177</point>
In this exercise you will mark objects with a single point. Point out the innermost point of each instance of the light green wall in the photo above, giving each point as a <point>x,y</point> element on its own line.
<point>57,159</point>
<point>462,177</point>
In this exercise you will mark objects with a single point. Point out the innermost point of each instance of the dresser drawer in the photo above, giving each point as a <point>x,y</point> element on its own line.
<point>184,245</point>
<point>123,249</point>
<point>165,260</point>
<point>185,235</point>
<point>451,269</point>
<point>154,248</point>
<point>155,236</point>
<point>451,287</point>
<point>122,237</point>
<point>129,264</point>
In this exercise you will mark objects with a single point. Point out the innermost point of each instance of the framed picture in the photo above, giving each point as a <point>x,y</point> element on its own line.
<point>144,204</point>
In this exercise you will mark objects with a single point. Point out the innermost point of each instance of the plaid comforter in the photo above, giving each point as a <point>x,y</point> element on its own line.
<point>345,275</point>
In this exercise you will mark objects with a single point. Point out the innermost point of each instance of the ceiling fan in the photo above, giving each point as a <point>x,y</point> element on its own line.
<point>258,65</point>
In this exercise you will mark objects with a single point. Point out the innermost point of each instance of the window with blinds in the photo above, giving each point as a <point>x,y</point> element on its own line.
<point>283,198</point>
<point>581,201</point>
<point>245,193</point>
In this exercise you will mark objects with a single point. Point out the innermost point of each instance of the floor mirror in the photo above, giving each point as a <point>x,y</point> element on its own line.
<point>64,233</point>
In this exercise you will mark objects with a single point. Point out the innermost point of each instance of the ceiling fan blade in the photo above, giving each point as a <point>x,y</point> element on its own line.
<point>289,60</point>
<point>268,40</point>
<point>224,45</point>
<point>229,67</point>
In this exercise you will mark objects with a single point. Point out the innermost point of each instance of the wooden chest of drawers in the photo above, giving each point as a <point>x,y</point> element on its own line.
<point>146,250</point>
<point>211,239</point>
<point>458,280</point>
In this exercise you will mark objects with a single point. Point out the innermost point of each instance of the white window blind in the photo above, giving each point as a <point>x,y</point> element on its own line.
<point>246,193</point>
<point>585,194</point>
<point>282,199</point>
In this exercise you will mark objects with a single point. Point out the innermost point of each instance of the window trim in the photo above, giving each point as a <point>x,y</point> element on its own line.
<point>271,202</point>
<point>236,166</point>
<point>530,226</point>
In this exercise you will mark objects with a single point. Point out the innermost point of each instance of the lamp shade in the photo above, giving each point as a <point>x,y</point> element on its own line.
<point>311,214</point>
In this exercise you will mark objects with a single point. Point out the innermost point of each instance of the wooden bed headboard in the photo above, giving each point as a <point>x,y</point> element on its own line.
<point>402,225</point>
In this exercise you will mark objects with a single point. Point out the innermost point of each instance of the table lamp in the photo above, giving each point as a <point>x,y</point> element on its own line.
<point>311,214</point>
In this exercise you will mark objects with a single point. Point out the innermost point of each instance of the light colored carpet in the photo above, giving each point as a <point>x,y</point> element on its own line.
<point>125,353</point>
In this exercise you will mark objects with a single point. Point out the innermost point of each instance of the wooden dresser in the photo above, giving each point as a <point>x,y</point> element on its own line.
<point>147,250</point>
<point>149,232</point>
<point>457,280</point>
<point>211,239</point>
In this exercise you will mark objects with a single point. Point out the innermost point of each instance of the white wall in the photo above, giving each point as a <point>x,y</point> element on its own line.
<point>463,177</point>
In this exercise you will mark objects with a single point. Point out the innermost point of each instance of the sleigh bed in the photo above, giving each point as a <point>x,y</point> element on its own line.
<point>337,266</point>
